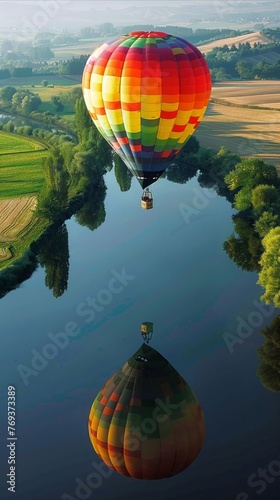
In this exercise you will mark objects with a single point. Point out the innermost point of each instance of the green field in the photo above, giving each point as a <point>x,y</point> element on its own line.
<point>57,85</point>
<point>14,144</point>
<point>46,93</point>
<point>56,80</point>
<point>21,177</point>
<point>21,171</point>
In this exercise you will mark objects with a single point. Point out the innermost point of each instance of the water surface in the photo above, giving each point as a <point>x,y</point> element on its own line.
<point>179,277</point>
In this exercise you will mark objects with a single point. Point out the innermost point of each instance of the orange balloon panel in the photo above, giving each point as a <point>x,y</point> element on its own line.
<point>146,422</point>
<point>146,88</point>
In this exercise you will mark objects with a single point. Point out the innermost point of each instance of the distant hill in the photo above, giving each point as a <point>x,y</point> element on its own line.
<point>251,38</point>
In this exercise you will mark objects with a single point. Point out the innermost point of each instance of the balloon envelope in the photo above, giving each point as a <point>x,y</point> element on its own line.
<point>146,422</point>
<point>146,93</point>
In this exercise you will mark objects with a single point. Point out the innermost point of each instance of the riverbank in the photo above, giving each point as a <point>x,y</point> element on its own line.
<point>19,269</point>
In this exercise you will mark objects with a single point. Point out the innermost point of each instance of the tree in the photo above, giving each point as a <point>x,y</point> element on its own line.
<point>251,172</point>
<point>18,97</point>
<point>224,161</point>
<point>191,146</point>
<point>180,171</point>
<point>73,66</point>
<point>57,103</point>
<point>243,199</point>
<point>9,127</point>
<point>56,175</point>
<point>122,174</point>
<point>244,69</point>
<point>54,257</point>
<point>40,53</point>
<point>269,376</point>
<point>269,277</point>
<point>67,152</point>
<point>26,101</point>
<point>244,247</point>
<point>219,74</point>
<point>27,130</point>
<point>93,214</point>
<point>53,199</point>
<point>266,222</point>
<point>269,356</point>
<point>6,94</point>
<point>5,73</point>
<point>30,103</point>
<point>21,72</point>
<point>44,83</point>
<point>83,164</point>
<point>247,175</point>
<point>90,139</point>
<point>265,197</point>
<point>69,98</point>
<point>82,120</point>
<point>49,204</point>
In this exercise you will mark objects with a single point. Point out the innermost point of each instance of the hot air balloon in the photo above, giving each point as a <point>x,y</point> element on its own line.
<point>147,93</point>
<point>146,422</point>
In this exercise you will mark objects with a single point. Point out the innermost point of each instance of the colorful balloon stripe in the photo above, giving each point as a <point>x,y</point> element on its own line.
<point>146,93</point>
<point>146,422</point>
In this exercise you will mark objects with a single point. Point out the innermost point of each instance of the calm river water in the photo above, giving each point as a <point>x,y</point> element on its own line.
<point>169,268</point>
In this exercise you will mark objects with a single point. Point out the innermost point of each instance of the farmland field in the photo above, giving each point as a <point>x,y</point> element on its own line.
<point>264,93</point>
<point>15,216</point>
<point>15,144</point>
<point>18,228</point>
<point>76,50</point>
<point>60,80</point>
<point>21,170</point>
<point>245,131</point>
<point>84,48</point>
<point>57,85</point>
<point>46,93</point>
<point>251,38</point>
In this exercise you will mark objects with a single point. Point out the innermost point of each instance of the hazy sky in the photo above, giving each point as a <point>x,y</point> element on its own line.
<point>57,14</point>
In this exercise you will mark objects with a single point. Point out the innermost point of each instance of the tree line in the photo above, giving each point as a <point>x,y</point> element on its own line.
<point>234,62</point>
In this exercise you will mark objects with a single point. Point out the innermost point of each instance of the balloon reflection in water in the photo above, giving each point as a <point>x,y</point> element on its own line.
<point>146,422</point>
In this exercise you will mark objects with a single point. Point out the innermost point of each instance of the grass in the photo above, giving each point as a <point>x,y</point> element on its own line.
<point>21,170</point>
<point>47,106</point>
<point>15,144</point>
<point>62,86</point>
<point>21,174</point>
<point>10,251</point>
<point>46,93</point>
<point>245,131</point>
<point>21,177</point>
<point>56,85</point>
<point>76,50</point>
<point>28,81</point>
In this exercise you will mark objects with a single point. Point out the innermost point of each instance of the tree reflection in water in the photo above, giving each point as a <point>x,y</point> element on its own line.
<point>54,257</point>
<point>269,356</point>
